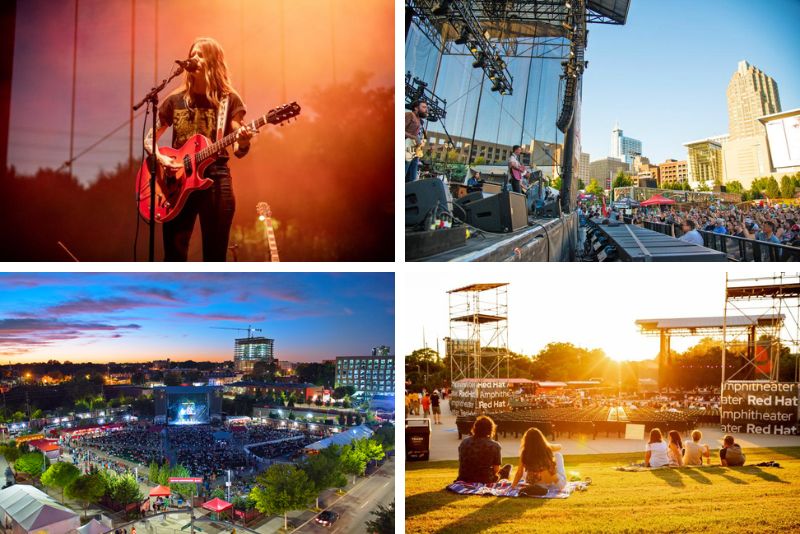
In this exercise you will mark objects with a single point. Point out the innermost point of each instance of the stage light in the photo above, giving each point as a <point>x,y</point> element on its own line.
<point>262,218</point>
<point>473,48</point>
<point>464,37</point>
<point>495,87</point>
<point>568,4</point>
<point>442,8</point>
<point>479,61</point>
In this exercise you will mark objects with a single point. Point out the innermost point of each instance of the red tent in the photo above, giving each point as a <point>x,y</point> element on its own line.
<point>656,200</point>
<point>216,505</point>
<point>160,491</point>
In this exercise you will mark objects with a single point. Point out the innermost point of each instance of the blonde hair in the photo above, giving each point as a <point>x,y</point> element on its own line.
<point>217,75</point>
<point>697,435</point>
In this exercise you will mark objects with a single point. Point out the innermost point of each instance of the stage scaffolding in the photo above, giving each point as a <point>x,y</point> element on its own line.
<point>529,87</point>
<point>478,342</point>
<point>756,349</point>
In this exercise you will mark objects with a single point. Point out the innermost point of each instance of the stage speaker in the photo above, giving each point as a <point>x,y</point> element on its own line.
<point>550,208</point>
<point>473,197</point>
<point>422,196</point>
<point>503,212</point>
<point>489,187</point>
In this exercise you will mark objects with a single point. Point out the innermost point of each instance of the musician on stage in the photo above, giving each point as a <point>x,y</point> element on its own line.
<point>414,136</point>
<point>192,109</point>
<point>516,170</point>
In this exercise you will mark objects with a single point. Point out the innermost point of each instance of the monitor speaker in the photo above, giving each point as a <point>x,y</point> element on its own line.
<point>503,212</point>
<point>422,196</point>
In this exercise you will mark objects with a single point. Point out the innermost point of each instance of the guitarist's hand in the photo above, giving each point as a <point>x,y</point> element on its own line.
<point>169,163</point>
<point>244,135</point>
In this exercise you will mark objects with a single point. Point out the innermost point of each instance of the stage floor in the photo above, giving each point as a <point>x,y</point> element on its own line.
<point>545,239</point>
<point>444,441</point>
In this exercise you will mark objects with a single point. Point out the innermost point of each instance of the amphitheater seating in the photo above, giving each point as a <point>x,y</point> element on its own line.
<point>555,422</point>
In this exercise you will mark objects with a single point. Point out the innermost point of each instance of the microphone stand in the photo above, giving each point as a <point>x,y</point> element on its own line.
<point>152,98</point>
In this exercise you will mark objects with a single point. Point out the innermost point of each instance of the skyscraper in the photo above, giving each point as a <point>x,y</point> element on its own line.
<point>624,148</point>
<point>249,350</point>
<point>751,94</point>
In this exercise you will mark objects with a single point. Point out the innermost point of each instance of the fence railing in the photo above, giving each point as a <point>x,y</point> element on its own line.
<point>736,248</point>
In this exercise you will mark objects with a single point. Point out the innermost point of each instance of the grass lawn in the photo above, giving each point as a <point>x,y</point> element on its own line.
<point>707,499</point>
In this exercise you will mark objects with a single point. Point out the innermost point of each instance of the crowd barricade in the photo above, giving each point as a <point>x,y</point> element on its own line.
<point>736,248</point>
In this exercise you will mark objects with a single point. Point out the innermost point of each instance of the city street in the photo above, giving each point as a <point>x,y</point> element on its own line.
<point>355,508</point>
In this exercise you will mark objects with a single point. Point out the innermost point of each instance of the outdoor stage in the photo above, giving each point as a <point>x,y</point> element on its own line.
<point>545,239</point>
<point>444,441</point>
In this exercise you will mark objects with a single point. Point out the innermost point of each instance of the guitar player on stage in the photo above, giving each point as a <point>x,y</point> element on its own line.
<point>414,137</point>
<point>516,170</point>
<point>193,109</point>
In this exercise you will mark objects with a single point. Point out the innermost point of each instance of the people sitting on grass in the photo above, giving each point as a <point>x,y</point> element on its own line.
<point>656,450</point>
<point>540,465</point>
<point>694,451</point>
<point>731,454</point>
<point>674,449</point>
<point>479,455</point>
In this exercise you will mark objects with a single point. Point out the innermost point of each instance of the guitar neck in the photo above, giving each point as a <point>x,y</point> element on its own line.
<point>228,140</point>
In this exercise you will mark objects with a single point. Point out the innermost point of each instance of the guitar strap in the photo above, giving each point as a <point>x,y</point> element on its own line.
<point>222,119</point>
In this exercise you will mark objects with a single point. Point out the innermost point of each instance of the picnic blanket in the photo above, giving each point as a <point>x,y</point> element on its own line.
<point>503,489</point>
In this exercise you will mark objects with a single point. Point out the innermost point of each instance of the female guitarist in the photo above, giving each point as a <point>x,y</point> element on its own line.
<point>192,109</point>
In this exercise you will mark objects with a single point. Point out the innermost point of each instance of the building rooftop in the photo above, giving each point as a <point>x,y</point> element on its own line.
<point>780,115</point>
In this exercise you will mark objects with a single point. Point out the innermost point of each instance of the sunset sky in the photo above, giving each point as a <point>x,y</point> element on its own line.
<point>596,309</point>
<point>277,51</point>
<point>120,317</point>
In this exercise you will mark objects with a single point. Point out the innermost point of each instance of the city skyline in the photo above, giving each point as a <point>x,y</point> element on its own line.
<point>667,89</point>
<point>134,317</point>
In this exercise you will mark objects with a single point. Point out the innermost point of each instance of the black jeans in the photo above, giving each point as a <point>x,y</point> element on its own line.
<point>515,186</point>
<point>215,206</point>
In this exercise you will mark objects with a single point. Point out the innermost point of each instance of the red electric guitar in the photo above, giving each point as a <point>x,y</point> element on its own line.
<point>172,189</point>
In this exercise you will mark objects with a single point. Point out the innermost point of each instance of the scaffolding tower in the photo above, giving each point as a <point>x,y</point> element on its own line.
<point>478,342</point>
<point>773,305</point>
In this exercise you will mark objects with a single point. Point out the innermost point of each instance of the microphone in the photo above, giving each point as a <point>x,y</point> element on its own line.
<point>189,65</point>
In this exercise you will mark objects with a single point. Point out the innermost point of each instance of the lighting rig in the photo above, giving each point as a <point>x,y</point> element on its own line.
<point>416,89</point>
<point>470,33</point>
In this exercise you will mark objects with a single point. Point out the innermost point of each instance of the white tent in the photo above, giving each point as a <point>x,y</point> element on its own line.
<point>342,438</point>
<point>27,509</point>
<point>94,527</point>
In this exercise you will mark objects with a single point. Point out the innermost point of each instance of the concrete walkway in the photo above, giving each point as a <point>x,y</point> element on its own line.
<point>444,440</point>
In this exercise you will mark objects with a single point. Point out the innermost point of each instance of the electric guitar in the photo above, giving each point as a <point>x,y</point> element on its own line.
<point>196,154</point>
<point>265,214</point>
<point>415,149</point>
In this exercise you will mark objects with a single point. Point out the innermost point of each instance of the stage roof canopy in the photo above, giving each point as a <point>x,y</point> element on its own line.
<point>616,10</point>
<point>707,323</point>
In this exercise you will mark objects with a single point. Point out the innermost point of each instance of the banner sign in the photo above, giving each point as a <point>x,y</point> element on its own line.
<point>191,480</point>
<point>479,397</point>
<point>759,407</point>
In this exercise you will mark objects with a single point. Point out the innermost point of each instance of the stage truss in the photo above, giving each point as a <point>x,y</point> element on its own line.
<point>478,342</point>
<point>756,349</point>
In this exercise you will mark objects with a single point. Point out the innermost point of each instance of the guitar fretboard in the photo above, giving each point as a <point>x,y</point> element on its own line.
<point>227,141</point>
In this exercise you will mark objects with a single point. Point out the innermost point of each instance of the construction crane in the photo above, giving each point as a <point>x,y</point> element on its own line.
<point>250,330</point>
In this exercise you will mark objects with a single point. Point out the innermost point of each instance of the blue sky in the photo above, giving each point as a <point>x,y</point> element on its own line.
<point>664,74</point>
<point>120,317</point>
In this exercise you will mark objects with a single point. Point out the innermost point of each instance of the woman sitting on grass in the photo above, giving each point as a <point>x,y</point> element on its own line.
<point>674,451</point>
<point>656,450</point>
<point>539,465</point>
